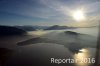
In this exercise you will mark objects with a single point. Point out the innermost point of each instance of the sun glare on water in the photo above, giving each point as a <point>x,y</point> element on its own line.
<point>78,15</point>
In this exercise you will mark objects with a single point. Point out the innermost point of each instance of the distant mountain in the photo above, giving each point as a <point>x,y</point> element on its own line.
<point>26,28</point>
<point>57,27</point>
<point>31,27</point>
<point>8,30</point>
<point>40,27</point>
<point>36,27</point>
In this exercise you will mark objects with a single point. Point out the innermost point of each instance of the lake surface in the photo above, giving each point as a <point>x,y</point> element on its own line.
<point>40,54</point>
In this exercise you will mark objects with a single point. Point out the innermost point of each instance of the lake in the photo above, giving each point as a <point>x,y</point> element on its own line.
<point>56,44</point>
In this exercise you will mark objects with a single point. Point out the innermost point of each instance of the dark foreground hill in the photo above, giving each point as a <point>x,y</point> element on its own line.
<point>8,30</point>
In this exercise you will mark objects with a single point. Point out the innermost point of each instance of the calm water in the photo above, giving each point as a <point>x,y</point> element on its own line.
<point>40,54</point>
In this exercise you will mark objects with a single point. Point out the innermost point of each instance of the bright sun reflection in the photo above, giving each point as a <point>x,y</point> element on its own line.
<point>83,50</point>
<point>78,15</point>
<point>80,56</point>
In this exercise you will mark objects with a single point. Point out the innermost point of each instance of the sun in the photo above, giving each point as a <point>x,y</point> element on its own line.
<point>78,15</point>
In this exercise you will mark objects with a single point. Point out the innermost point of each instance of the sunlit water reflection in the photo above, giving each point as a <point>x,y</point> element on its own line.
<point>41,53</point>
<point>84,57</point>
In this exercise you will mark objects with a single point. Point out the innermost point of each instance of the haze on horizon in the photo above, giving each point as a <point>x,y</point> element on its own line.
<point>48,12</point>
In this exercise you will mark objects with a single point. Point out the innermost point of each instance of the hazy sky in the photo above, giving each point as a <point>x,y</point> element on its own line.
<point>47,12</point>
